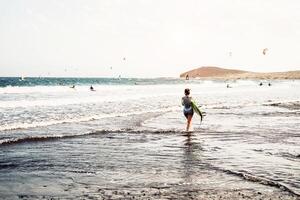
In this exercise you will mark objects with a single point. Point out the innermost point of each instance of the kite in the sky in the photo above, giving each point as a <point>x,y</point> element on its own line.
<point>265,51</point>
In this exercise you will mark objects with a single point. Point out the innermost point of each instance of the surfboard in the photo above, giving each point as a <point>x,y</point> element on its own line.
<point>197,110</point>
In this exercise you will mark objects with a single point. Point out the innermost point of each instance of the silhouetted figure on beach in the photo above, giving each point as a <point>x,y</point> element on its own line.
<point>228,86</point>
<point>91,88</point>
<point>187,77</point>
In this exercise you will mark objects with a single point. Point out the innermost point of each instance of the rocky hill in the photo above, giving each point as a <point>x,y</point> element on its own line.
<point>222,73</point>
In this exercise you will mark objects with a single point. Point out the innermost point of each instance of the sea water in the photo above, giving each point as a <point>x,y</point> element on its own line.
<point>131,132</point>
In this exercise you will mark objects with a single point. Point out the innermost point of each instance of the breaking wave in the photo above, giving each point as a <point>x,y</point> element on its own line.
<point>292,105</point>
<point>16,126</point>
<point>48,138</point>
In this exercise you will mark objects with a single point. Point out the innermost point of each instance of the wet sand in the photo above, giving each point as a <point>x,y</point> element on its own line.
<point>134,165</point>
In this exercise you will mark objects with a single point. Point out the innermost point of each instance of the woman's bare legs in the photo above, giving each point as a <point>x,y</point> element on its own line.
<point>189,120</point>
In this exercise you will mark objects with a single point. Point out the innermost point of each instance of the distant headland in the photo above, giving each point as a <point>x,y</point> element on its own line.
<point>209,72</point>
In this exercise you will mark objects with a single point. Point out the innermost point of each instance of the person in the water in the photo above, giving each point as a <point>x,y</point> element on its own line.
<point>187,108</point>
<point>187,77</point>
<point>92,88</point>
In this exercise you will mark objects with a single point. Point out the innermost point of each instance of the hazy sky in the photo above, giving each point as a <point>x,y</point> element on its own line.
<point>156,37</point>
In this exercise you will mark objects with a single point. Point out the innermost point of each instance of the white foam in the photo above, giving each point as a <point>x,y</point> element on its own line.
<point>15,126</point>
<point>61,95</point>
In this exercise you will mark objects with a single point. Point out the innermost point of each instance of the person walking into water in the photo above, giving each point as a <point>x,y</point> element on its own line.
<point>187,108</point>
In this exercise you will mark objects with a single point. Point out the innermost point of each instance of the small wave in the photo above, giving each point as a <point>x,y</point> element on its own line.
<point>292,105</point>
<point>32,139</point>
<point>47,138</point>
<point>65,97</point>
<point>260,180</point>
<point>17,126</point>
<point>226,106</point>
<point>289,155</point>
<point>32,89</point>
<point>260,113</point>
<point>281,154</point>
<point>221,107</point>
<point>8,165</point>
<point>65,101</point>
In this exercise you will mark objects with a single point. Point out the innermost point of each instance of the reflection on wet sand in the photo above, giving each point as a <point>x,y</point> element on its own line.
<point>192,162</point>
<point>123,165</point>
<point>188,158</point>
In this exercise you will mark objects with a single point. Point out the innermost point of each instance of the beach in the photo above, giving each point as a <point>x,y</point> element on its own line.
<point>126,140</point>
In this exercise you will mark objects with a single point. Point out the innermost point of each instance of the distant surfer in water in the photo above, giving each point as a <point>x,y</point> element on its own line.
<point>92,88</point>
<point>187,108</point>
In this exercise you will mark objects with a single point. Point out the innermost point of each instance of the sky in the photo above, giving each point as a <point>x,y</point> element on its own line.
<point>146,38</point>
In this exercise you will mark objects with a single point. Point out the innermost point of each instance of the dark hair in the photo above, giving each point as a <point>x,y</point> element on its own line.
<point>187,91</point>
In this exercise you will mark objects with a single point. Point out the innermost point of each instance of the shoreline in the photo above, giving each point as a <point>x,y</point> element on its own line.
<point>239,78</point>
<point>155,192</point>
<point>131,171</point>
<point>246,77</point>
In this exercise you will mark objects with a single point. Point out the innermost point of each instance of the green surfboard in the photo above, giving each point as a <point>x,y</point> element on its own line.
<point>197,110</point>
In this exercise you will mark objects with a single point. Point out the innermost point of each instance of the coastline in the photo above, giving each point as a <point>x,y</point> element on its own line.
<point>262,76</point>
<point>210,73</point>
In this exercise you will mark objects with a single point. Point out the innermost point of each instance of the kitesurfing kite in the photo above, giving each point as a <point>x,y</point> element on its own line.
<point>265,51</point>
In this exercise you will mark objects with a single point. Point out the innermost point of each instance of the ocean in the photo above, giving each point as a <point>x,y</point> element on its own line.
<point>128,136</point>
